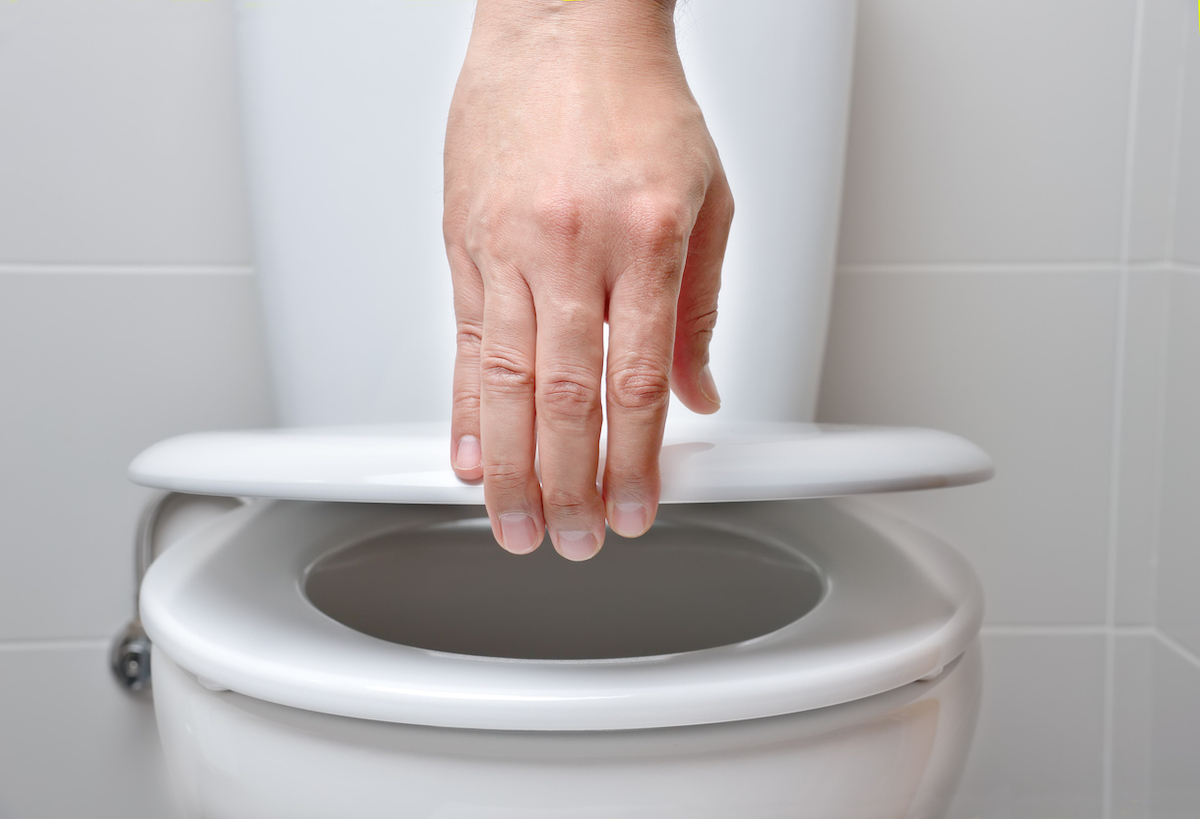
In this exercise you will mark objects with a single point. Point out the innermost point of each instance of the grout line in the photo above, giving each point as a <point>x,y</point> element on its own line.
<point>126,269</point>
<point>981,267</point>
<point>1150,267</point>
<point>1177,159</point>
<point>1184,653</point>
<point>1131,132</point>
<point>13,646</point>
<point>1118,417</point>
<point>1191,269</point>
<point>1097,630</point>
<point>1114,537</point>
<point>1160,447</point>
<point>1139,267</point>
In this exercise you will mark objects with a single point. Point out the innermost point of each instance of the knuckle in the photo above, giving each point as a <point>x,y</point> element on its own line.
<point>701,325</point>
<point>474,244</point>
<point>659,230</point>
<point>660,224</point>
<point>632,475</point>
<point>723,206</point>
<point>573,312</point>
<point>505,373</point>
<point>642,386</point>
<point>505,478</point>
<point>454,220</point>
<point>567,502</point>
<point>568,396</point>
<point>469,336</point>
<point>561,216</point>
<point>484,233</point>
<point>465,405</point>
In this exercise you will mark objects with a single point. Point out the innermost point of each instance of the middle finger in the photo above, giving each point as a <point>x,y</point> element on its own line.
<point>570,361</point>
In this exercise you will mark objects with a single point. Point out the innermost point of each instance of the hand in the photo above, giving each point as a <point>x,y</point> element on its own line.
<point>581,186</point>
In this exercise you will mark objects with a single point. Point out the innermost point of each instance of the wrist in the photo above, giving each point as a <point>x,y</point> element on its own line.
<point>622,25</point>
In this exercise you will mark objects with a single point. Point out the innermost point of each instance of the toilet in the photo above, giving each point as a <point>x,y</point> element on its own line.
<point>336,633</point>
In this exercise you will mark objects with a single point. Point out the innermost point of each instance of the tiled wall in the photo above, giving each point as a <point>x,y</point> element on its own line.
<point>127,313</point>
<point>1020,264</point>
<point>1019,255</point>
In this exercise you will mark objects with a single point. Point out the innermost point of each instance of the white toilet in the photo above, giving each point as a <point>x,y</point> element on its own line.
<point>336,634</point>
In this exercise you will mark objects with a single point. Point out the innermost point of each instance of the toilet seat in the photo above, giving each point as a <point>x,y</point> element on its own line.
<point>228,604</point>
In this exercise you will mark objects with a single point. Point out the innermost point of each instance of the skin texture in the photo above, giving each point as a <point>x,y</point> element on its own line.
<point>581,186</point>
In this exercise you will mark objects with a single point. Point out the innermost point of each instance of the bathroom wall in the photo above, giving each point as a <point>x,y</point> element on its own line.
<point>127,313</point>
<point>1020,263</point>
<point>1021,232</point>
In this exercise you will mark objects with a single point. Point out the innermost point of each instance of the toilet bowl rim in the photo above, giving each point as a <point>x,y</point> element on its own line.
<point>761,677</point>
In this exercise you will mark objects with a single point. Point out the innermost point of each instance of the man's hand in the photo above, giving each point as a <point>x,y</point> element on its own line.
<point>581,185</point>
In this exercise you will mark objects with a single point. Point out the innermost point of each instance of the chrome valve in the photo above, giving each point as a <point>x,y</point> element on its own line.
<point>130,658</point>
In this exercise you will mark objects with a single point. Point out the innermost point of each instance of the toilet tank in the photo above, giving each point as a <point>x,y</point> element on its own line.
<point>345,106</point>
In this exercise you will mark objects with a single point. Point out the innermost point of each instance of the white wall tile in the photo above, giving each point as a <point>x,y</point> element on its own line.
<point>119,140</point>
<point>1167,25</point>
<point>1187,209</point>
<point>1179,548</point>
<point>1176,736</point>
<point>1143,392</point>
<point>74,744</point>
<point>989,131</point>
<point>1038,747</point>
<point>97,367</point>
<point>1022,364</point>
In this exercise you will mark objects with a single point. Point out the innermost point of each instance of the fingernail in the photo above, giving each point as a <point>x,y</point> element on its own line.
<point>577,545</point>
<point>709,387</point>
<point>469,454</point>
<point>630,519</point>
<point>519,532</point>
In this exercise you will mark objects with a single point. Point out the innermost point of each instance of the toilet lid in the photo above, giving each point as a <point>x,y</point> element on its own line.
<point>702,462</point>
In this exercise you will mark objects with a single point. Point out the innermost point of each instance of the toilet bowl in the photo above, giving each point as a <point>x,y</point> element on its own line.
<point>893,755</point>
<point>315,686</point>
<point>353,636</point>
<point>335,632</point>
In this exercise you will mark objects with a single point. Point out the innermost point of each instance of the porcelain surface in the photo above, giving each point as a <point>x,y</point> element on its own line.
<point>897,755</point>
<point>702,462</point>
<point>344,106</point>
<point>893,605</point>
